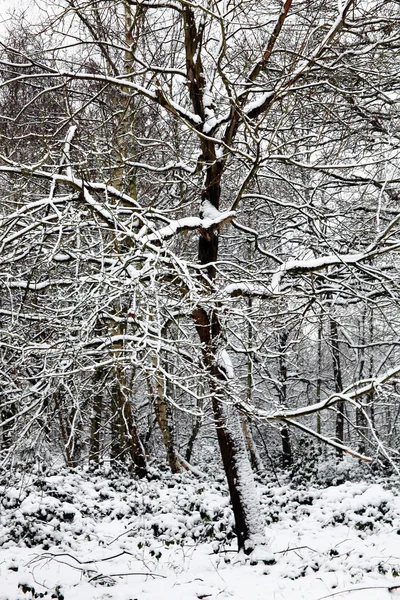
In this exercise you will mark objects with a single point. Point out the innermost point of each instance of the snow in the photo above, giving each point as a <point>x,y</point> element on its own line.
<point>209,211</point>
<point>313,264</point>
<point>170,538</point>
<point>244,288</point>
<point>255,104</point>
<point>224,363</point>
<point>211,217</point>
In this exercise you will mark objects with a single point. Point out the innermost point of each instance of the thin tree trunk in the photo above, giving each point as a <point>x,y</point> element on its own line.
<point>164,419</point>
<point>125,417</point>
<point>371,370</point>
<point>126,426</point>
<point>287,459</point>
<point>63,430</point>
<point>361,423</point>
<point>337,376</point>
<point>194,434</point>
<point>255,458</point>
<point>8,412</point>
<point>96,420</point>
<point>319,374</point>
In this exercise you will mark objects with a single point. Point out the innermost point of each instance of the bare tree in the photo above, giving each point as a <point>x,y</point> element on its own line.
<point>185,135</point>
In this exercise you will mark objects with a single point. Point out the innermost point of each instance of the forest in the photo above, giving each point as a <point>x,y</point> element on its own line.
<point>199,306</point>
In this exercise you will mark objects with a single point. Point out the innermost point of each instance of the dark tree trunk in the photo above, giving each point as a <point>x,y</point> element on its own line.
<point>229,430</point>
<point>245,505</point>
<point>337,376</point>
<point>287,459</point>
<point>193,436</point>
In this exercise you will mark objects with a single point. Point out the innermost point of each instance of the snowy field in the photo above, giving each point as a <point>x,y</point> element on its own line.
<point>73,536</point>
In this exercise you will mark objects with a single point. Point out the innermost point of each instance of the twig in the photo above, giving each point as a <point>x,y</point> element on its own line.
<point>293,549</point>
<point>49,555</point>
<point>111,575</point>
<point>360,589</point>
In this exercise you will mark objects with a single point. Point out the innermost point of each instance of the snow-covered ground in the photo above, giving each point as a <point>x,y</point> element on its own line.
<point>76,536</point>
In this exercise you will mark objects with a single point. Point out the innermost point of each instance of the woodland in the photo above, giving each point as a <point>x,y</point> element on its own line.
<point>199,221</point>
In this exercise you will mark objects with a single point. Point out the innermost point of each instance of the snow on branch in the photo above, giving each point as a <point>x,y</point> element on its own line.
<point>291,267</point>
<point>214,221</point>
<point>295,267</point>
<point>243,288</point>
<point>349,395</point>
<point>328,441</point>
<point>224,364</point>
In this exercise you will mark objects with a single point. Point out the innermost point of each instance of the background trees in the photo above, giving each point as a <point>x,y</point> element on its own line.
<point>199,217</point>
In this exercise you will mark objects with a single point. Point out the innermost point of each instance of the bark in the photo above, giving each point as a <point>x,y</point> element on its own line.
<point>164,419</point>
<point>361,422</point>
<point>193,436</point>
<point>95,423</point>
<point>163,414</point>
<point>245,505</point>
<point>287,458</point>
<point>255,459</point>
<point>66,439</point>
<point>229,430</point>
<point>126,431</point>
<point>125,426</point>
<point>338,384</point>
<point>371,370</point>
<point>319,376</point>
<point>118,444</point>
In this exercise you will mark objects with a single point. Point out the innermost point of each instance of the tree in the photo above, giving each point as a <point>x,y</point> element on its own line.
<point>268,138</point>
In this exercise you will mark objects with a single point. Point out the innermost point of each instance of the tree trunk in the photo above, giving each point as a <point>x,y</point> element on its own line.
<point>7,417</point>
<point>242,489</point>
<point>361,422</point>
<point>95,423</point>
<point>125,429</point>
<point>125,425</point>
<point>66,439</point>
<point>319,373</point>
<point>337,376</point>
<point>164,419</point>
<point>287,459</point>
<point>245,503</point>
<point>194,434</point>
<point>255,459</point>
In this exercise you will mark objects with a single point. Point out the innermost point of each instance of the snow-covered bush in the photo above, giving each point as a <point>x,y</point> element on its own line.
<point>58,509</point>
